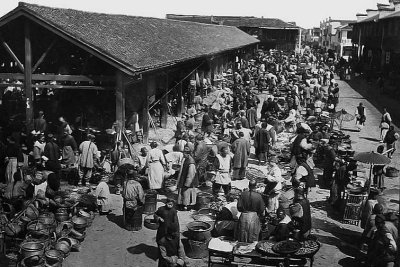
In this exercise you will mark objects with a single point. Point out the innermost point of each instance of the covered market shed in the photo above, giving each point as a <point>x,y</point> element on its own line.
<point>101,68</point>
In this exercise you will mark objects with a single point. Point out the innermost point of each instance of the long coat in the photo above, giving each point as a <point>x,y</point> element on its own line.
<point>241,150</point>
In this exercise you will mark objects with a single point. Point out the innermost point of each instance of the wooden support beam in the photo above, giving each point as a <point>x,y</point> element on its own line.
<point>120,99</point>
<point>11,53</point>
<point>164,103</point>
<point>60,78</point>
<point>43,56</point>
<point>180,100</point>
<point>150,87</point>
<point>28,77</point>
<point>60,86</point>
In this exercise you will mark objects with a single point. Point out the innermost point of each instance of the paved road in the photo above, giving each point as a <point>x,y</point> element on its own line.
<point>107,244</point>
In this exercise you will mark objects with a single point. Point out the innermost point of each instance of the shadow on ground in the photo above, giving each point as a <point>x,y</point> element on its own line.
<point>150,251</point>
<point>117,219</point>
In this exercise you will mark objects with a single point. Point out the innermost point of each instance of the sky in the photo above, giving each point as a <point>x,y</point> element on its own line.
<point>306,13</point>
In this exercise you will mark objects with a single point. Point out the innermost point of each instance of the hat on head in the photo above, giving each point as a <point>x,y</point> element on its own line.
<point>380,218</point>
<point>252,184</point>
<point>378,209</point>
<point>131,174</point>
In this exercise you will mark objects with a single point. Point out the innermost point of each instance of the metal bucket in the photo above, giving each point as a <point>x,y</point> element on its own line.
<point>150,203</point>
<point>32,248</point>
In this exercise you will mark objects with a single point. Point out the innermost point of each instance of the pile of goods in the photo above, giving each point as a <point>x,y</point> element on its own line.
<point>43,234</point>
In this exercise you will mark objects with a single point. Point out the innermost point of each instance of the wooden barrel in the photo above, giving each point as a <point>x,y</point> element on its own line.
<point>150,203</point>
<point>137,219</point>
<point>203,200</point>
<point>199,231</point>
<point>197,249</point>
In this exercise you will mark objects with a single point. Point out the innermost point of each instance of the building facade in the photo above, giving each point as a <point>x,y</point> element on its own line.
<point>272,33</point>
<point>332,32</point>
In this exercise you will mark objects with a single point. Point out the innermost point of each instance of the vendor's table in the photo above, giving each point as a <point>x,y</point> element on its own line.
<point>256,258</point>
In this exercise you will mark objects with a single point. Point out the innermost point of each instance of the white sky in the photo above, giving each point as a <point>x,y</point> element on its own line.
<point>306,13</point>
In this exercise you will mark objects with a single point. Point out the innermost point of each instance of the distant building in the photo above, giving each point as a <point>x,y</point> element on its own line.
<point>330,31</point>
<point>377,37</point>
<point>272,33</point>
<point>311,36</point>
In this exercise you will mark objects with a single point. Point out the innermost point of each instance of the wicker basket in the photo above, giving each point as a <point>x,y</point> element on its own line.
<point>255,174</point>
<point>391,172</point>
<point>150,223</point>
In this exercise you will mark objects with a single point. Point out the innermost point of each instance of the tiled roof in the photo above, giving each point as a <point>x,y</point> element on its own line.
<point>236,21</point>
<point>392,15</point>
<point>141,43</point>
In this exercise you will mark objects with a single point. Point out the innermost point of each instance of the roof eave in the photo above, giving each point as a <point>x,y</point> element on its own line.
<point>23,11</point>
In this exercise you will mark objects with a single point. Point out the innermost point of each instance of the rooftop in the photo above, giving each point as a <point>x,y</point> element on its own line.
<point>236,21</point>
<point>137,43</point>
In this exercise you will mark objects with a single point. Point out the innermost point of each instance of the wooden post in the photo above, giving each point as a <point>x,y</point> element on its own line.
<point>148,91</point>
<point>120,99</point>
<point>180,100</point>
<point>28,77</point>
<point>164,104</point>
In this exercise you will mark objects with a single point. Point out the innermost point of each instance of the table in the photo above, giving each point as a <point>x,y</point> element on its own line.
<point>267,258</point>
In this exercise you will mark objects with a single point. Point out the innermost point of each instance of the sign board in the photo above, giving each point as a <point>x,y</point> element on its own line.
<point>387,58</point>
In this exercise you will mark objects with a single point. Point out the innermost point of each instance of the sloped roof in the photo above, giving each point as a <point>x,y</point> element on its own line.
<point>395,14</point>
<point>236,21</point>
<point>139,43</point>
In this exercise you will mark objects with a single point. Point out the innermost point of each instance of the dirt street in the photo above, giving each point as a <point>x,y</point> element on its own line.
<point>107,244</point>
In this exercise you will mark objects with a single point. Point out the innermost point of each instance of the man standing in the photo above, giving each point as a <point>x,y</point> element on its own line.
<point>88,150</point>
<point>261,143</point>
<point>69,149</point>
<point>251,205</point>
<point>187,181</point>
<point>360,116</point>
<point>223,178</point>
<point>390,141</point>
<point>241,150</point>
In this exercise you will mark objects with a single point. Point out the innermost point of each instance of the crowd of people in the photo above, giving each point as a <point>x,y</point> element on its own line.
<point>213,144</point>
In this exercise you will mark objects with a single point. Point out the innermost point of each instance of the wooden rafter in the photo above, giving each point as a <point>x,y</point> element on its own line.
<point>9,51</point>
<point>43,56</point>
<point>61,78</point>
<point>60,86</point>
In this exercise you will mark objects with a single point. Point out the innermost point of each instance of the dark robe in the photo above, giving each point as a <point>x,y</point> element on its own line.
<point>170,218</point>
<point>261,141</point>
<point>241,149</point>
<point>252,207</point>
<point>305,221</point>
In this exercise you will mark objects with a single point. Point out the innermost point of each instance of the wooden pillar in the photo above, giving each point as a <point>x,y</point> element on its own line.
<point>148,91</point>
<point>120,99</point>
<point>180,100</point>
<point>28,77</point>
<point>164,104</point>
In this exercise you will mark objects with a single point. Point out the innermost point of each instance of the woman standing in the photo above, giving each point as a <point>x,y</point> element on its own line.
<point>133,202</point>
<point>187,181</point>
<point>155,161</point>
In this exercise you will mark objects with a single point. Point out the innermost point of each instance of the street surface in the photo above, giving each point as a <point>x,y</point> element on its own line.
<point>107,244</point>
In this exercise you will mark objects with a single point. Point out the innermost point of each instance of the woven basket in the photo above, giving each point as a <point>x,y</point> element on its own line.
<point>255,174</point>
<point>392,172</point>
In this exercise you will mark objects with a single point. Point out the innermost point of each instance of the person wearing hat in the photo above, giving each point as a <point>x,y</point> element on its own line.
<point>103,196</point>
<point>88,155</point>
<point>372,200</point>
<point>252,207</point>
<point>156,163</point>
<point>134,198</point>
<point>383,248</point>
<point>187,181</point>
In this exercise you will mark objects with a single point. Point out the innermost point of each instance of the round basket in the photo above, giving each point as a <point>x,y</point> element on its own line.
<point>255,174</point>
<point>150,223</point>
